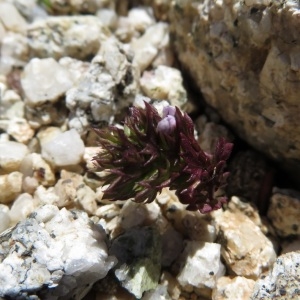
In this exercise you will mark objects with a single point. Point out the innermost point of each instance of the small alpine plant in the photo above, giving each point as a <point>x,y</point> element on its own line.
<point>151,152</point>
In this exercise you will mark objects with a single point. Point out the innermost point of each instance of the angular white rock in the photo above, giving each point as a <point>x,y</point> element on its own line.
<point>164,83</point>
<point>54,252</point>
<point>66,149</point>
<point>11,18</point>
<point>141,18</point>
<point>11,156</point>
<point>44,80</point>
<point>237,288</point>
<point>202,265</point>
<point>20,130</point>
<point>147,46</point>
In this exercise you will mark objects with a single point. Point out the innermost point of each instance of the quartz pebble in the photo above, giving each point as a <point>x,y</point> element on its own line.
<point>11,156</point>
<point>164,83</point>
<point>20,130</point>
<point>66,149</point>
<point>11,18</point>
<point>148,45</point>
<point>201,265</point>
<point>44,80</point>
<point>61,253</point>
<point>242,242</point>
<point>22,207</point>
<point>4,218</point>
<point>237,288</point>
<point>10,186</point>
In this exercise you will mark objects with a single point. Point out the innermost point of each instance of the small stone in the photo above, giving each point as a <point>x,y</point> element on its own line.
<point>47,134</point>
<point>20,130</point>
<point>147,46</point>
<point>160,293</point>
<point>284,212</point>
<point>108,211</point>
<point>12,105</point>
<point>110,76</point>
<point>62,36</point>
<point>53,253</point>
<point>22,207</point>
<point>77,68</point>
<point>11,18</point>
<point>164,83</point>
<point>47,196</point>
<point>138,252</point>
<point>245,249</point>
<point>4,218</point>
<point>282,281</point>
<point>108,18</point>
<point>34,166</point>
<point>86,198</point>
<point>11,156</point>
<point>201,265</point>
<point>89,153</point>
<point>66,149</point>
<point>237,288</point>
<point>14,52</point>
<point>172,285</point>
<point>10,186</point>
<point>141,18</point>
<point>77,7</point>
<point>236,205</point>
<point>44,80</point>
<point>29,185</point>
<point>135,214</point>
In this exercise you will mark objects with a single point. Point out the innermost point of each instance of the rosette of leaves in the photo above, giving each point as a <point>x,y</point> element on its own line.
<point>151,152</point>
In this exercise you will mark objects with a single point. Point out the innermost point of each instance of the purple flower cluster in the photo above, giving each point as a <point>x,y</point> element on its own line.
<point>153,152</point>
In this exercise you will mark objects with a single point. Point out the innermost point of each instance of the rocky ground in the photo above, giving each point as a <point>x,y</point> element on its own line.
<point>69,66</point>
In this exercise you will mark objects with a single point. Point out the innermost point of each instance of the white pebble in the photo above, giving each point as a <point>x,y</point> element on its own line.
<point>44,80</point>
<point>164,83</point>
<point>11,156</point>
<point>11,18</point>
<point>10,186</point>
<point>66,149</point>
<point>22,207</point>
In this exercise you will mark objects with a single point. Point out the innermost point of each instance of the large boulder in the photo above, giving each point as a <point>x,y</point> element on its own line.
<point>245,58</point>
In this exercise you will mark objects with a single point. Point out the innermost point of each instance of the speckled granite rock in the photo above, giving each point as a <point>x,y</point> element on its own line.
<point>284,212</point>
<point>66,36</point>
<point>109,83</point>
<point>53,254</point>
<point>282,282</point>
<point>245,58</point>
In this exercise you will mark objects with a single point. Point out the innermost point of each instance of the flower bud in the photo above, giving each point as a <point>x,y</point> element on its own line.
<point>167,125</point>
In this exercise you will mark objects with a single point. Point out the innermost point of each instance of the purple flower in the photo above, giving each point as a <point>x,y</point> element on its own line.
<point>156,152</point>
<point>166,125</point>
